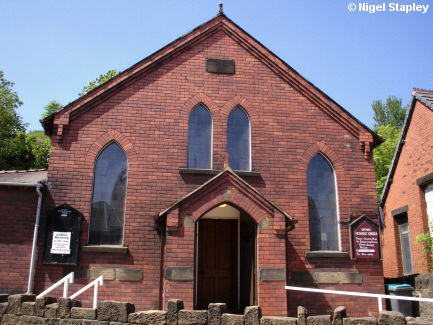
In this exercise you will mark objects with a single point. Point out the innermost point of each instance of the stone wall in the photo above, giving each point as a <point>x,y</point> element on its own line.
<point>424,289</point>
<point>25,309</point>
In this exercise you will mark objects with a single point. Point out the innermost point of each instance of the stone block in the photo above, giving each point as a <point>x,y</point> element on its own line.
<point>3,297</point>
<point>350,277</point>
<point>319,320</point>
<point>68,321</point>
<point>15,301</point>
<point>125,274</point>
<point>114,311</point>
<point>360,321</point>
<point>9,319</point>
<point>302,315</point>
<point>274,320</point>
<point>41,303</point>
<point>51,310</point>
<point>252,315</point>
<point>179,273</point>
<point>109,273</point>
<point>65,306</point>
<point>28,308</point>
<point>272,274</point>
<point>34,320</point>
<point>418,321</point>
<point>149,317</point>
<point>79,272</point>
<point>327,277</point>
<point>3,307</point>
<point>232,319</point>
<point>98,322</point>
<point>173,307</point>
<point>215,312</point>
<point>192,317</point>
<point>188,222</point>
<point>264,224</point>
<point>83,313</point>
<point>303,277</point>
<point>339,315</point>
<point>391,317</point>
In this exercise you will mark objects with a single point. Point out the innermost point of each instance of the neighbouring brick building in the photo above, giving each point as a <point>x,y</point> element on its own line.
<point>407,199</point>
<point>212,171</point>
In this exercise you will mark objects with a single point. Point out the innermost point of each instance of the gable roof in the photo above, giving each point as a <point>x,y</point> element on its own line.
<point>219,23</point>
<point>226,174</point>
<point>424,96</point>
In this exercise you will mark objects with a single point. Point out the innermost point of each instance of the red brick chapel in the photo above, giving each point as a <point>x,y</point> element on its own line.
<point>212,171</point>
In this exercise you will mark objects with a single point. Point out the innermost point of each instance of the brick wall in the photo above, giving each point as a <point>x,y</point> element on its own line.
<point>149,119</point>
<point>17,222</point>
<point>415,162</point>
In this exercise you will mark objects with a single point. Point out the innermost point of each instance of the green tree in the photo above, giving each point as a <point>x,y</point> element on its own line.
<point>103,78</point>
<point>383,155</point>
<point>389,119</point>
<point>51,108</point>
<point>15,149</point>
<point>389,113</point>
<point>41,147</point>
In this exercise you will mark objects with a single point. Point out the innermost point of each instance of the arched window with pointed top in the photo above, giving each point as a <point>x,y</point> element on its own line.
<point>200,138</point>
<point>238,139</point>
<point>322,205</point>
<point>107,215</point>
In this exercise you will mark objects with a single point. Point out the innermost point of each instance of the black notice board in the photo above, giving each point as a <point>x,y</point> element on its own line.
<point>62,236</point>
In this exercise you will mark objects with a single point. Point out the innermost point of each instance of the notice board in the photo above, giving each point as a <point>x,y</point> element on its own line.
<point>62,236</point>
<point>365,239</point>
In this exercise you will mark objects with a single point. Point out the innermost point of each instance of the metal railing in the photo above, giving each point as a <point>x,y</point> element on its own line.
<point>379,297</point>
<point>65,281</point>
<point>95,283</point>
<point>70,279</point>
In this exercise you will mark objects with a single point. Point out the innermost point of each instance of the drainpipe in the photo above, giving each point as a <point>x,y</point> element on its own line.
<point>35,235</point>
<point>35,240</point>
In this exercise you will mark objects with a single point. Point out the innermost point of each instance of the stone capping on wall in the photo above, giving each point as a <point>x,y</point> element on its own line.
<point>25,309</point>
<point>401,210</point>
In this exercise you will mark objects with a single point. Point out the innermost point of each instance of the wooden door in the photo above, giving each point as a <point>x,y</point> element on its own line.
<point>217,263</point>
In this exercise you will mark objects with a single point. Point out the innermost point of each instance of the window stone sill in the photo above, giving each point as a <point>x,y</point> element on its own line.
<point>326,254</point>
<point>198,171</point>
<point>105,249</point>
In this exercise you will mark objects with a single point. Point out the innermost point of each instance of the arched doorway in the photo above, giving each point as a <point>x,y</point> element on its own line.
<point>226,258</point>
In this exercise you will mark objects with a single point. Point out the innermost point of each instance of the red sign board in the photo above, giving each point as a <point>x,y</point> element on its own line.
<point>365,237</point>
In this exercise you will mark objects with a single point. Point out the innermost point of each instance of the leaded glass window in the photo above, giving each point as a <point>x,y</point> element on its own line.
<point>238,139</point>
<point>200,138</point>
<point>109,196</point>
<point>406,249</point>
<point>322,205</point>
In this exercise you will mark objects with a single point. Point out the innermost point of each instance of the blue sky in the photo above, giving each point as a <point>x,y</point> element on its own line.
<point>52,49</point>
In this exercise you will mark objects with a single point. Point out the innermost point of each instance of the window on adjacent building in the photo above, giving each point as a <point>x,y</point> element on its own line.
<point>238,140</point>
<point>109,197</point>
<point>322,205</point>
<point>406,249</point>
<point>200,138</point>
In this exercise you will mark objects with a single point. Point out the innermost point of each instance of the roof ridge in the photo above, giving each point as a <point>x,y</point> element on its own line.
<point>423,90</point>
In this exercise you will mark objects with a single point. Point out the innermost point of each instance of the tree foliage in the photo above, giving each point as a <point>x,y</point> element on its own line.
<point>51,108</point>
<point>103,78</point>
<point>15,149</point>
<point>383,155</point>
<point>41,147</point>
<point>390,113</point>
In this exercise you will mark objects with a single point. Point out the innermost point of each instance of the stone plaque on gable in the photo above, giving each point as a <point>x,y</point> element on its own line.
<point>365,239</point>
<point>62,235</point>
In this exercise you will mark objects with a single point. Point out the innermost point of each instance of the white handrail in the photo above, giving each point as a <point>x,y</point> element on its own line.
<point>95,283</point>
<point>66,280</point>
<point>359,294</point>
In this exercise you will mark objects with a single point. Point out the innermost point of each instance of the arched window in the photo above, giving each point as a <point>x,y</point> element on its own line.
<point>238,139</point>
<point>322,205</point>
<point>109,196</point>
<point>200,138</point>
